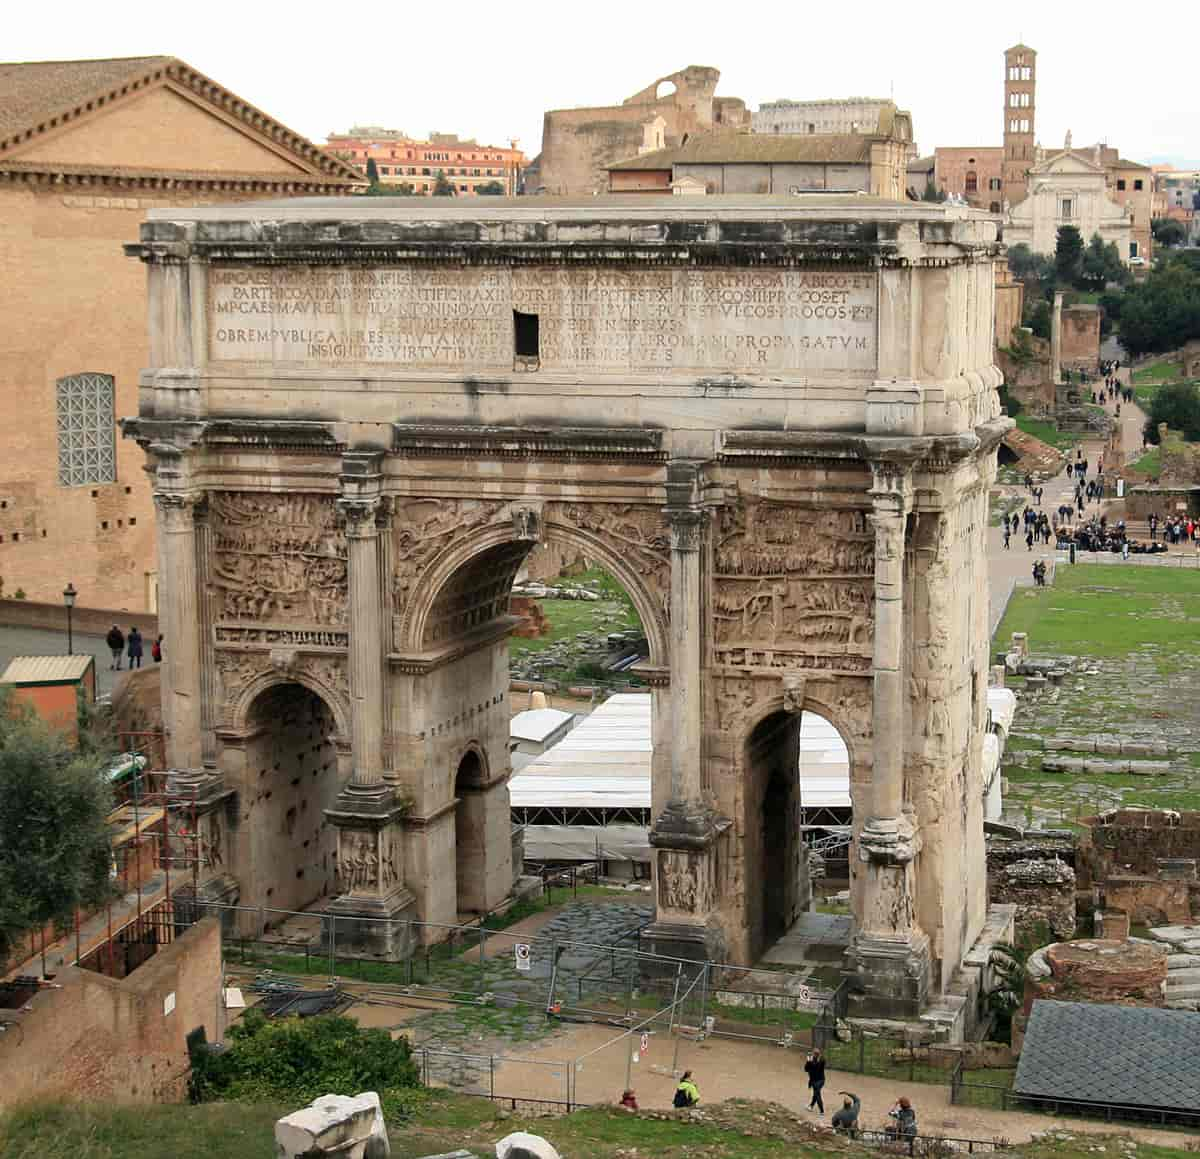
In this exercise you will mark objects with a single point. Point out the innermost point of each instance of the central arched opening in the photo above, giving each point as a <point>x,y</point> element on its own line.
<point>292,779</point>
<point>529,639</point>
<point>798,821</point>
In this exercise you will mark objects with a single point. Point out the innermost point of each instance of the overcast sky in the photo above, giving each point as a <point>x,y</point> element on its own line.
<point>1105,71</point>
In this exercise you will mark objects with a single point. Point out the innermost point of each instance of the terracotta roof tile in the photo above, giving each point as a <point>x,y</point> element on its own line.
<point>760,148</point>
<point>33,92</point>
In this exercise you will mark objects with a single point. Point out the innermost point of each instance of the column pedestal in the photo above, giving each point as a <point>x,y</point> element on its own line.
<point>374,911</point>
<point>889,957</point>
<point>199,848</point>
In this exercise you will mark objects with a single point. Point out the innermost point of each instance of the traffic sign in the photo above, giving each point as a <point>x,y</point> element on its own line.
<point>522,955</point>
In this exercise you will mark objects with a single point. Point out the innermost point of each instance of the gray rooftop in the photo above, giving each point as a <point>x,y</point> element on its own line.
<point>1087,1052</point>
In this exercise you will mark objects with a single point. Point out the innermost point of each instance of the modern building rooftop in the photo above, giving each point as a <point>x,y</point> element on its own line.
<point>1085,1052</point>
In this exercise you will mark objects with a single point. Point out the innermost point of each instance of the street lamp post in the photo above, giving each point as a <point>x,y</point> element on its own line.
<point>69,594</point>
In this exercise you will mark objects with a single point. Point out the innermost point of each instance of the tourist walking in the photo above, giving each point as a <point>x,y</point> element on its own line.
<point>814,1067</point>
<point>1007,535</point>
<point>686,1094</point>
<point>156,650</point>
<point>116,645</point>
<point>135,648</point>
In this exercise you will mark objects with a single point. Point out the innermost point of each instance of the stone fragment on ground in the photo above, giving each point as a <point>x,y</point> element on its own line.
<point>523,1145</point>
<point>349,1126</point>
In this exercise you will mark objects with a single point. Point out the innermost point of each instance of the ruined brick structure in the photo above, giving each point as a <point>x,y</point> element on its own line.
<point>577,144</point>
<point>1143,862</point>
<point>775,423</point>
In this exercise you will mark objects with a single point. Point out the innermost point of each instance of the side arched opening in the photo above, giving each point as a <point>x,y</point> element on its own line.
<point>470,836</point>
<point>797,801</point>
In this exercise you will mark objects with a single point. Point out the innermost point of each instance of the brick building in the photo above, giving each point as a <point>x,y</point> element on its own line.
<point>973,172</point>
<point>86,147</point>
<point>403,160</point>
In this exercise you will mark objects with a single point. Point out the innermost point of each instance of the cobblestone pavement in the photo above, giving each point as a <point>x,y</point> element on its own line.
<point>597,939</point>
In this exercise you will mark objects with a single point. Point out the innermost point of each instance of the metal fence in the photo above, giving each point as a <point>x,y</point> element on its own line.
<point>964,1091</point>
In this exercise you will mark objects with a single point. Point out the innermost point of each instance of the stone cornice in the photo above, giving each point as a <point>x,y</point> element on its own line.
<point>94,178</point>
<point>565,443</point>
<point>420,663</point>
<point>923,452</point>
<point>840,235</point>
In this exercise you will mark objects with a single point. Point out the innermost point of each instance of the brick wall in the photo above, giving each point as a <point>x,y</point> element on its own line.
<point>100,1038</point>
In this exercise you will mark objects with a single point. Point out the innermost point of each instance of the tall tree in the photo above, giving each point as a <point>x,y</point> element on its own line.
<point>443,187</point>
<point>1163,312</point>
<point>372,173</point>
<point>1068,254</point>
<point>1167,231</point>
<point>1101,264</point>
<point>55,848</point>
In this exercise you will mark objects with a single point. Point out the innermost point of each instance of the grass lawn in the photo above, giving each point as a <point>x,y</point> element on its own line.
<point>1140,628</point>
<point>1046,431</point>
<point>1162,371</point>
<point>1150,464</point>
<point>443,1122</point>
<point>1106,610</point>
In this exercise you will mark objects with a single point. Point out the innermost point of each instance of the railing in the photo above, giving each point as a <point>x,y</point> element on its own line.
<point>964,1092</point>
<point>134,942</point>
<point>929,1145</point>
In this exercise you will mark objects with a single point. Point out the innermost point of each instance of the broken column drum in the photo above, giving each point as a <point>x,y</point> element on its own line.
<point>774,421</point>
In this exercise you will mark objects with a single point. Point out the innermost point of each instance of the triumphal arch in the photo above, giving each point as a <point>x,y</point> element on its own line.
<point>773,420</point>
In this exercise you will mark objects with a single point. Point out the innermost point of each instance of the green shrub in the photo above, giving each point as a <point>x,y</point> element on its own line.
<point>296,1060</point>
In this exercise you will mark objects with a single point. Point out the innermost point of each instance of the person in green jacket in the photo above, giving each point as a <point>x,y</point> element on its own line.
<point>686,1094</point>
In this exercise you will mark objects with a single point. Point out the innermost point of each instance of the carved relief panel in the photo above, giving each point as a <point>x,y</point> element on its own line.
<point>277,559</point>
<point>793,586</point>
<point>367,860</point>
<point>683,881</point>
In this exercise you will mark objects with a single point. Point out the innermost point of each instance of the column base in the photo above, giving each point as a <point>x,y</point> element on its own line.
<point>891,975</point>
<point>686,826</point>
<point>669,939</point>
<point>377,927</point>
<point>190,904</point>
<point>889,840</point>
<point>375,804</point>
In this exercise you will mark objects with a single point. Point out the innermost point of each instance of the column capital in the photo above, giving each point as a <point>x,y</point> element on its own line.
<point>687,526</point>
<point>891,486</point>
<point>177,509</point>
<point>361,515</point>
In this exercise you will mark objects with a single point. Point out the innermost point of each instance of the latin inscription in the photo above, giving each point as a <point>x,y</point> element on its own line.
<point>758,321</point>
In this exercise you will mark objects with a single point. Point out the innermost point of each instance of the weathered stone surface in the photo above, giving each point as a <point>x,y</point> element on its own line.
<point>523,1145</point>
<point>1043,892</point>
<point>744,409</point>
<point>350,1127</point>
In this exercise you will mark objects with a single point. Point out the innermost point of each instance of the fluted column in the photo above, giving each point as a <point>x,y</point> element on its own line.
<point>887,835</point>
<point>179,615</point>
<point>207,653</point>
<point>686,634</point>
<point>366,639</point>
<point>887,792</point>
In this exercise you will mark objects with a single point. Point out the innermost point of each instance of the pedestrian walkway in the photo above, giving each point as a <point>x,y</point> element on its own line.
<point>1013,566</point>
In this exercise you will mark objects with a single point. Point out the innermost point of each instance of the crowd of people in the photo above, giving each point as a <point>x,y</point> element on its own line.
<point>902,1118</point>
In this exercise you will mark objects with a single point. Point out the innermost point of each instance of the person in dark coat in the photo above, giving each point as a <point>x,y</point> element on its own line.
<point>116,645</point>
<point>135,648</point>
<point>814,1067</point>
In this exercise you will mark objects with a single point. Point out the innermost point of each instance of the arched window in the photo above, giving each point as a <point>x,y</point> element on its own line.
<point>972,181</point>
<point>87,444</point>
